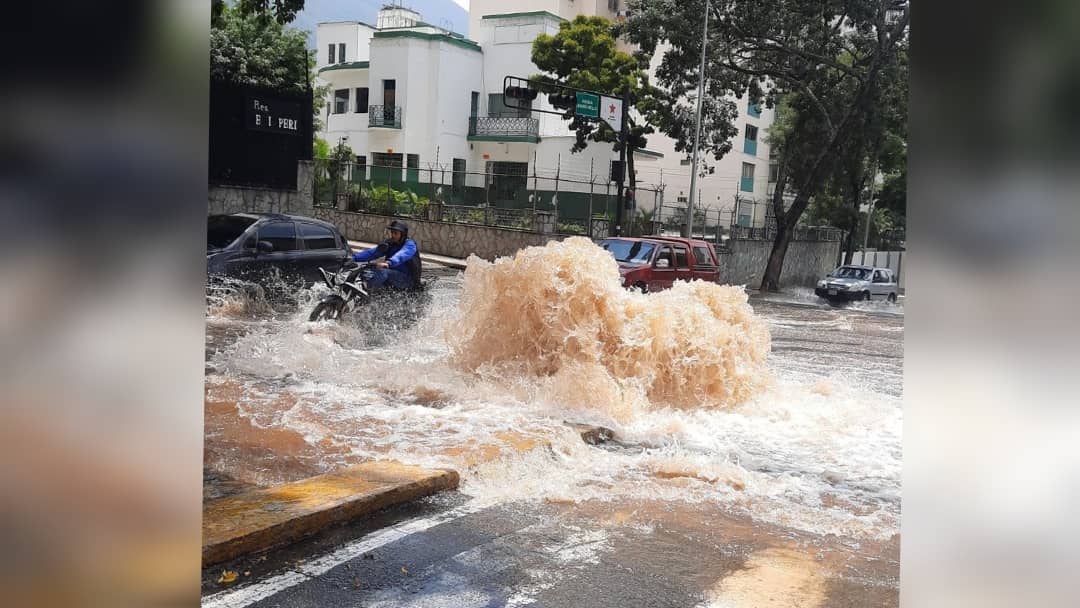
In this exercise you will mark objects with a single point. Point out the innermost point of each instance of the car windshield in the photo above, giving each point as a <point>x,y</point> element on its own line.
<point>222,230</point>
<point>849,272</point>
<point>634,252</point>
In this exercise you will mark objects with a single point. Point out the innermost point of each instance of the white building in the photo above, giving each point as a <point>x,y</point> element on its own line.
<point>406,94</point>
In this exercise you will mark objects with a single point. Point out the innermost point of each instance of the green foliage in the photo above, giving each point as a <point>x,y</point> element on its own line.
<point>584,55</point>
<point>250,49</point>
<point>320,149</point>
<point>283,11</point>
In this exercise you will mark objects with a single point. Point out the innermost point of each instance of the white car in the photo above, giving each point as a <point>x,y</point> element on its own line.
<point>848,283</point>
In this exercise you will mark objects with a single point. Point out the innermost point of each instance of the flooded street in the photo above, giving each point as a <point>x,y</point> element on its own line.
<point>783,478</point>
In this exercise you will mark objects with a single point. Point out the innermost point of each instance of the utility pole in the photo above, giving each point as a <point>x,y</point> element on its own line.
<point>697,126</point>
<point>620,178</point>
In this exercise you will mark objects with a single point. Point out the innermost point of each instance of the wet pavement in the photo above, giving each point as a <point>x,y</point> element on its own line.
<point>790,499</point>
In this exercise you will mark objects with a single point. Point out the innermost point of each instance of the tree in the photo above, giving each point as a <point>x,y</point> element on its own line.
<point>251,50</point>
<point>584,55</point>
<point>829,60</point>
<point>283,11</point>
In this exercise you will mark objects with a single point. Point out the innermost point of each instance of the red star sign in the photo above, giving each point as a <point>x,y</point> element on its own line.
<point>612,108</point>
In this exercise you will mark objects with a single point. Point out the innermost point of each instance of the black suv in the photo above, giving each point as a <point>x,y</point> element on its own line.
<point>251,246</point>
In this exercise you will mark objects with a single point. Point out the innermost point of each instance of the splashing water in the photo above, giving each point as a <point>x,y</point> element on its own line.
<point>560,313</point>
<point>807,436</point>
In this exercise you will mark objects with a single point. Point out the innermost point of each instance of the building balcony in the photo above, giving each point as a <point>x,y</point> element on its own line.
<point>504,128</point>
<point>384,117</point>
<point>746,184</point>
<point>750,146</point>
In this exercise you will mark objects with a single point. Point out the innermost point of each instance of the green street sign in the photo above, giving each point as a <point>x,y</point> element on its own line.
<point>588,105</point>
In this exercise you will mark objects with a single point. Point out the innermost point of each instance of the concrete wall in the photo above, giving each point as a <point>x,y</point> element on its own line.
<point>233,199</point>
<point>454,240</point>
<point>806,262</point>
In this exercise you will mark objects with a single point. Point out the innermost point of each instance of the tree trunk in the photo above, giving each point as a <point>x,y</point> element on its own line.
<point>849,245</point>
<point>785,229</point>
<point>771,281</point>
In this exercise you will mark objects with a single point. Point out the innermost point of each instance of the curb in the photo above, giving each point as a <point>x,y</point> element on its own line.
<point>269,517</point>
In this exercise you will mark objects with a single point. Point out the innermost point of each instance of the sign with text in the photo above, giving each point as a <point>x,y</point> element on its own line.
<point>611,112</point>
<point>273,115</point>
<point>588,105</point>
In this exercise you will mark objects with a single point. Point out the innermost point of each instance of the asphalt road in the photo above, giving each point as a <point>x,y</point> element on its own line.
<point>448,551</point>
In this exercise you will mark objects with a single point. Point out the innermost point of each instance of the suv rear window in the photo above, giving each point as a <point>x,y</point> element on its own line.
<point>701,256</point>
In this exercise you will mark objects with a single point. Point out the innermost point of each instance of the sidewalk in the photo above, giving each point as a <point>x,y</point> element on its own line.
<point>428,258</point>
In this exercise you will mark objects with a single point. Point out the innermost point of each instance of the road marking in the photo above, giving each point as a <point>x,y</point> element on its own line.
<point>245,596</point>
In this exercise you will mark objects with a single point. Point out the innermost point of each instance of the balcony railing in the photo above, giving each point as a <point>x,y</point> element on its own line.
<point>750,146</point>
<point>503,126</point>
<point>387,117</point>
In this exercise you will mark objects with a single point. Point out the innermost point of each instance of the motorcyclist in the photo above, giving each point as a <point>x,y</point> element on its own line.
<point>400,268</point>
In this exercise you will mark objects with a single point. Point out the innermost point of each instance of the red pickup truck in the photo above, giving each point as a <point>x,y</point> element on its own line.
<point>656,262</point>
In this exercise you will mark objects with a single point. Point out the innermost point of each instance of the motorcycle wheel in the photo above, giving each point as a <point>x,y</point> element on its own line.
<point>326,311</point>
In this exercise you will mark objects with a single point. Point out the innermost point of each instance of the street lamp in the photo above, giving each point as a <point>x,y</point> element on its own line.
<point>697,126</point>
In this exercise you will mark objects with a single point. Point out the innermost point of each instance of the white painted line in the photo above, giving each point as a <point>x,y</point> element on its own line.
<point>245,596</point>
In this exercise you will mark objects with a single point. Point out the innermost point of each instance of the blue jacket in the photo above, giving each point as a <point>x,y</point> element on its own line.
<point>402,257</point>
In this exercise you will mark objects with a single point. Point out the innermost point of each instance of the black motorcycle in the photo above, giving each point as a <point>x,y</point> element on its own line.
<point>350,293</point>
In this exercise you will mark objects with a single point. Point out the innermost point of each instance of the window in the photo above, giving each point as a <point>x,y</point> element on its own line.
<point>361,167</point>
<point>330,57</point>
<point>617,172</point>
<point>341,52</point>
<point>753,109</point>
<point>701,256</point>
<point>665,254</point>
<point>474,104</point>
<point>222,230</point>
<point>496,107</point>
<point>412,161</point>
<point>880,276</point>
<point>341,101</point>
<point>750,141</point>
<point>682,257</point>
<point>389,92</point>
<point>774,170</point>
<point>318,237</point>
<point>282,235</point>
<point>380,159</point>
<point>635,252</point>
<point>361,100</point>
<point>747,182</point>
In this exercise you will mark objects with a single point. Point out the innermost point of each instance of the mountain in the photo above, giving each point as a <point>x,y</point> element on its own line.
<point>442,13</point>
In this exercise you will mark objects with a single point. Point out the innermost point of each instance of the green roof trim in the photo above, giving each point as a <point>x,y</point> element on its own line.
<point>528,14</point>
<point>351,65</point>
<point>647,152</point>
<point>462,42</point>
<point>526,139</point>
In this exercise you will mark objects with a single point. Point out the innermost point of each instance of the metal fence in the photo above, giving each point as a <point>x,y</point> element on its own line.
<point>522,196</point>
<point>508,195</point>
